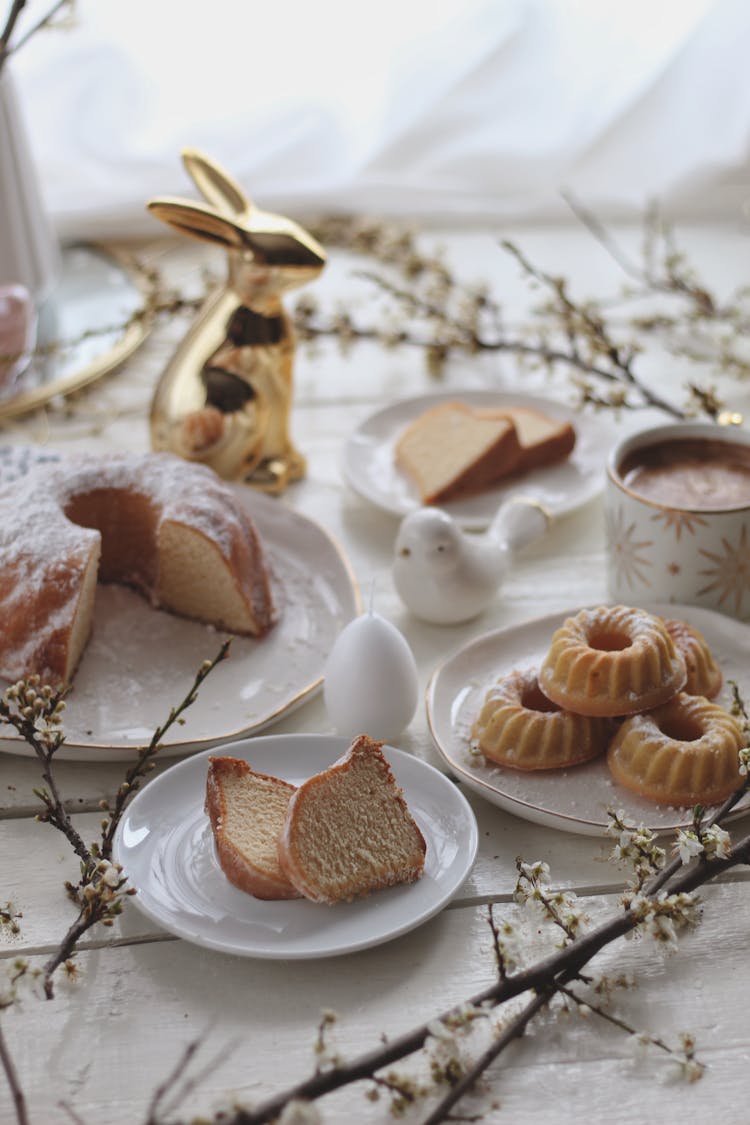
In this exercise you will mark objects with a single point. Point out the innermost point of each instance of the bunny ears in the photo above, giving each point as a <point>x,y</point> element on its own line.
<point>229,218</point>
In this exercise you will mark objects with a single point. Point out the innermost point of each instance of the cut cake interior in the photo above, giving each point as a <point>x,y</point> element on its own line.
<point>451,450</point>
<point>247,812</point>
<point>348,830</point>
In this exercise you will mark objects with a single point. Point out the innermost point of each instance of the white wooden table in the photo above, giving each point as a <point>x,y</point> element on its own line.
<point>108,1039</point>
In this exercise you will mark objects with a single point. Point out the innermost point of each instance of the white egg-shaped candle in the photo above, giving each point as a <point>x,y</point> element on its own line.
<point>371,684</point>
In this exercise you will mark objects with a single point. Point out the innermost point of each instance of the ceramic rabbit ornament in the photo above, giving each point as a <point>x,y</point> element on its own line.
<point>225,396</point>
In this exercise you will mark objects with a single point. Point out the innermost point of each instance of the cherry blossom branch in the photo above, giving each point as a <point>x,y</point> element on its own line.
<point>144,762</point>
<point>664,895</point>
<point>11,1076</point>
<point>36,713</point>
<point>102,888</point>
<point>514,1029</point>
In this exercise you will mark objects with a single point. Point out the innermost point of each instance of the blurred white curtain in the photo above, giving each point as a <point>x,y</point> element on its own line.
<point>468,110</point>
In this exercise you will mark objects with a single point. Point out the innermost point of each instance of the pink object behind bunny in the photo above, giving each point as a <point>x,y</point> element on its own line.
<point>17,329</point>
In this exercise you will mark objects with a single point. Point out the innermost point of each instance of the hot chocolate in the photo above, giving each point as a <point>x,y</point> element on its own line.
<point>697,474</point>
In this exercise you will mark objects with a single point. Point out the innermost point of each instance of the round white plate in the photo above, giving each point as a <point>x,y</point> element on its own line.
<point>165,845</point>
<point>370,464</point>
<point>140,661</point>
<point>576,799</point>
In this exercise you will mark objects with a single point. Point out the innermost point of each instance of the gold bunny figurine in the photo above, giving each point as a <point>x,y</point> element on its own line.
<point>226,394</point>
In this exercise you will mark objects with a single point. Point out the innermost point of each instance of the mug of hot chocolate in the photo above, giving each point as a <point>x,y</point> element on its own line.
<point>678,517</point>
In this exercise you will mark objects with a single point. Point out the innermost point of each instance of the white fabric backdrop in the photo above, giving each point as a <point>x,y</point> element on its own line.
<point>470,109</point>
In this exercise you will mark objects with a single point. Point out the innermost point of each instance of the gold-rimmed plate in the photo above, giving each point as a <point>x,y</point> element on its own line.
<point>94,319</point>
<point>141,661</point>
<point>576,799</point>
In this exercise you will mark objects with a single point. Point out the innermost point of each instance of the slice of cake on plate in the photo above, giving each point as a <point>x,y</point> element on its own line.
<point>348,830</point>
<point>451,451</point>
<point>247,811</point>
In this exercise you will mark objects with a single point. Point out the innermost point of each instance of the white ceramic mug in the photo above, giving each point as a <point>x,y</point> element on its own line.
<point>664,551</point>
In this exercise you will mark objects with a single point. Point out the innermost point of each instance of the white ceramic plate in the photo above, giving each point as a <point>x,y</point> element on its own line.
<point>370,465</point>
<point>165,845</point>
<point>576,799</point>
<point>140,661</point>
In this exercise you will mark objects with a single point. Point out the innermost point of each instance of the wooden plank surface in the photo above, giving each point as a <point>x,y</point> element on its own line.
<point>135,1008</point>
<point>108,1039</point>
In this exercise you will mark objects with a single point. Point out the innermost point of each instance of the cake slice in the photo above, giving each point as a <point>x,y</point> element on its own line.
<point>543,440</point>
<point>247,812</point>
<point>348,830</point>
<point>452,450</point>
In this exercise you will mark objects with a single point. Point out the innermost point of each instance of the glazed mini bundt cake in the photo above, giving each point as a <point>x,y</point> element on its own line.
<point>169,528</point>
<point>704,676</point>
<point>520,728</point>
<point>611,661</point>
<point>682,753</point>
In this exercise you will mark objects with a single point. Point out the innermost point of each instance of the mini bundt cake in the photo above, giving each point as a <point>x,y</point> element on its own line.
<point>682,753</point>
<point>169,528</point>
<point>704,676</point>
<point>519,727</point>
<point>247,811</point>
<point>348,830</point>
<point>611,661</point>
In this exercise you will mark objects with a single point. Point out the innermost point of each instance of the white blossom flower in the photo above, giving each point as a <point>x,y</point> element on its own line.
<point>692,1070</point>
<point>717,842</point>
<point>299,1113</point>
<point>688,846</point>
<point>744,761</point>
<point>109,873</point>
<point>639,1042</point>
<point>439,1031</point>
<point>638,905</point>
<point>662,929</point>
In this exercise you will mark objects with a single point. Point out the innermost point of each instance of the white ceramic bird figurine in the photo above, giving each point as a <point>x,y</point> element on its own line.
<point>445,575</point>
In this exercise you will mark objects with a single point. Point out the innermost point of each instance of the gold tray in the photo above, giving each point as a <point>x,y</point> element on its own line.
<point>94,319</point>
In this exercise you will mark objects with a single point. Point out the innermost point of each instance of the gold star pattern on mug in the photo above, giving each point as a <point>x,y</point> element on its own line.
<point>679,521</point>
<point>626,551</point>
<point>730,572</point>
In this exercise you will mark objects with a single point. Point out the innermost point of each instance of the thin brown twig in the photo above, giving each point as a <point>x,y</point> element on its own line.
<point>11,1075</point>
<point>621,370</point>
<point>513,1030</point>
<point>621,1024</point>
<point>45,21</point>
<point>171,1081</point>
<point>15,11</point>
<point>136,772</point>
<point>621,359</point>
<point>45,745</point>
<point>107,903</point>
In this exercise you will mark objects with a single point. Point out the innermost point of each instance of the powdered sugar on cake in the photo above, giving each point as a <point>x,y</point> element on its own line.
<point>152,512</point>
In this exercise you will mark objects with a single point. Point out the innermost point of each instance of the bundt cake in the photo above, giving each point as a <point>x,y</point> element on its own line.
<point>171,529</point>
<point>520,728</point>
<point>247,811</point>
<point>348,830</point>
<point>682,753</point>
<point>704,676</point>
<point>611,661</point>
